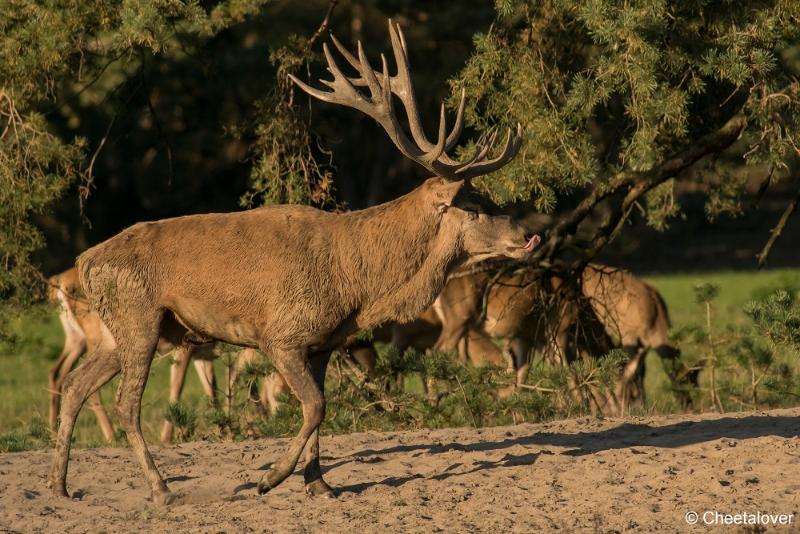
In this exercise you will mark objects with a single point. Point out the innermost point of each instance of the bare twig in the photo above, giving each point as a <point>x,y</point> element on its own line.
<point>776,232</point>
<point>466,402</point>
<point>324,24</point>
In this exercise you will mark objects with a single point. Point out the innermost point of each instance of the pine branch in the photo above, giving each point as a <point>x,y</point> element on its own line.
<point>634,184</point>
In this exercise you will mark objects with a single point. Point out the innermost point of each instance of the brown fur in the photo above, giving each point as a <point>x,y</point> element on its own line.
<point>513,314</point>
<point>635,316</point>
<point>83,330</point>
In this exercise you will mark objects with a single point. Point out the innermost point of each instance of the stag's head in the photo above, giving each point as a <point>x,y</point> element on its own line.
<point>482,230</point>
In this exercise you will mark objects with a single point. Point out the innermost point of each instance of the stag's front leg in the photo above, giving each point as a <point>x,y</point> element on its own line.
<point>312,474</point>
<point>296,369</point>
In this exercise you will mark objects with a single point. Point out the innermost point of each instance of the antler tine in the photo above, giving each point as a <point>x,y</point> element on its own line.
<point>386,117</point>
<point>404,89</point>
<point>325,96</point>
<point>438,149</point>
<point>386,85</point>
<point>480,153</point>
<point>347,55</point>
<point>343,93</point>
<point>379,105</point>
<point>405,92</point>
<point>367,73</point>
<point>512,145</point>
<point>452,139</point>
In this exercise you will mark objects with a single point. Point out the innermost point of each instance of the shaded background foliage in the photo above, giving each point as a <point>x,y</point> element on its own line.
<point>123,111</point>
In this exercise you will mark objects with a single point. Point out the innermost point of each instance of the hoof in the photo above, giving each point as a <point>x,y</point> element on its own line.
<point>263,488</point>
<point>163,498</point>
<point>320,488</point>
<point>57,489</point>
<point>59,492</point>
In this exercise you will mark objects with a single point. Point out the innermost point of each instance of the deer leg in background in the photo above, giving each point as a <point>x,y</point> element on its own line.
<point>205,372</point>
<point>622,389</point>
<point>521,352</point>
<point>448,343</point>
<point>244,358</point>
<point>177,377</point>
<point>96,405</point>
<point>430,388</point>
<point>637,384</point>
<point>312,474</point>
<point>294,366</point>
<point>272,386</point>
<point>364,355</point>
<point>100,367</point>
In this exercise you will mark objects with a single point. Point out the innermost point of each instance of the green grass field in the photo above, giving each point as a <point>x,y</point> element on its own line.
<point>736,289</point>
<point>24,366</point>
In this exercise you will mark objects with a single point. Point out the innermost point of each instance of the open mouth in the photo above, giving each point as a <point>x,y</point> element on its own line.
<point>531,244</point>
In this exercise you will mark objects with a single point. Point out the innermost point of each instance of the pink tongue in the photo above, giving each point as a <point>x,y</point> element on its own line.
<point>532,242</point>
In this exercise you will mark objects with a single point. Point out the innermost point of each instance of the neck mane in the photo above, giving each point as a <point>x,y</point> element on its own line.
<point>397,258</point>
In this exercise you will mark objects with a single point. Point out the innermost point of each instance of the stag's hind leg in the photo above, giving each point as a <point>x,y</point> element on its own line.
<point>137,338</point>
<point>100,367</point>
<point>296,369</point>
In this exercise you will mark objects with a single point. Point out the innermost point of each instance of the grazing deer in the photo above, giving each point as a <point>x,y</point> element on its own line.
<point>636,318</point>
<point>513,314</point>
<point>291,280</point>
<point>632,314</point>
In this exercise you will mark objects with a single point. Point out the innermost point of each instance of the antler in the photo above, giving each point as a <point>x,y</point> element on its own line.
<point>379,105</point>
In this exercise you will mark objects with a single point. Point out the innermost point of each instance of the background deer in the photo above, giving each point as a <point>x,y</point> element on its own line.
<point>292,281</point>
<point>519,309</point>
<point>636,319</point>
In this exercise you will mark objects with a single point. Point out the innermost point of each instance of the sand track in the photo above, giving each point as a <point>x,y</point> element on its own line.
<point>612,475</point>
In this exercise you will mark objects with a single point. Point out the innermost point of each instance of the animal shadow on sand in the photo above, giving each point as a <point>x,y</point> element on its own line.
<point>624,436</point>
<point>509,460</point>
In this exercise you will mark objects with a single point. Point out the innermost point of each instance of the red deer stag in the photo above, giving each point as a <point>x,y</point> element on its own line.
<point>83,330</point>
<point>291,280</point>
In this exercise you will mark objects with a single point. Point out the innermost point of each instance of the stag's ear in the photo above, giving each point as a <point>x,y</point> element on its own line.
<point>444,191</point>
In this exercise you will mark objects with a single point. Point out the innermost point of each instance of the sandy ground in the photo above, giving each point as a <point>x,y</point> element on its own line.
<point>612,475</point>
